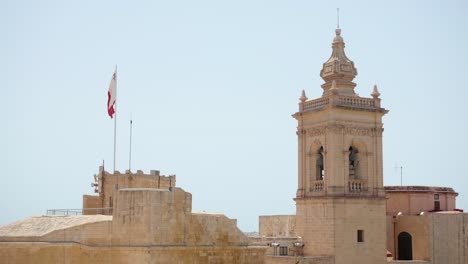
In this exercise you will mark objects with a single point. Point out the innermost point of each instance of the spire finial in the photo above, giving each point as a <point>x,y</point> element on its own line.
<point>375,93</point>
<point>303,97</point>
<point>338,29</point>
<point>338,18</point>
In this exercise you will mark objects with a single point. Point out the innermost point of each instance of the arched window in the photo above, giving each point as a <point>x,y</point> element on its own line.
<point>319,165</point>
<point>405,246</point>
<point>353,163</point>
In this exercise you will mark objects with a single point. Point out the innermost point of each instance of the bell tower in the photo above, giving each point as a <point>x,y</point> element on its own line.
<point>340,200</point>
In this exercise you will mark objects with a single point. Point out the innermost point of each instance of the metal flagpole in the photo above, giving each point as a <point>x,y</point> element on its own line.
<point>115,116</point>
<point>130,152</point>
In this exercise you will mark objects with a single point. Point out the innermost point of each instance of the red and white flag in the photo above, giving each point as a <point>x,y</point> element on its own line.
<point>112,95</point>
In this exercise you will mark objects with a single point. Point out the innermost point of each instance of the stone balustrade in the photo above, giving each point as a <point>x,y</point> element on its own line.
<point>357,185</point>
<point>317,103</point>
<point>341,100</point>
<point>317,186</point>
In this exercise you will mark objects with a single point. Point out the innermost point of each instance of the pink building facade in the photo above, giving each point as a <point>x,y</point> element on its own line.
<point>414,200</point>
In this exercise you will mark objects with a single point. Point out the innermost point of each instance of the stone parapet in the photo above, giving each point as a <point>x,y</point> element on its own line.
<point>343,101</point>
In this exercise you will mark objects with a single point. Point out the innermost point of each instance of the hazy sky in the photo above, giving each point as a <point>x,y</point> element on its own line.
<point>211,86</point>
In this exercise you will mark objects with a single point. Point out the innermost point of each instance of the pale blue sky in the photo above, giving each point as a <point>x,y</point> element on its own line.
<point>211,86</point>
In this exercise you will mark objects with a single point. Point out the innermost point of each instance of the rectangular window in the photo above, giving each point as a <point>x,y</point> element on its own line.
<point>283,251</point>
<point>436,197</point>
<point>360,236</point>
<point>436,206</point>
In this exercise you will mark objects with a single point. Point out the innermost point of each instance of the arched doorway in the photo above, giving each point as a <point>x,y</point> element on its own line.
<point>405,246</point>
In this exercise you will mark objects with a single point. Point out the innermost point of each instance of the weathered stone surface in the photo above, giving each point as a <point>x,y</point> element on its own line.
<point>38,226</point>
<point>277,225</point>
<point>72,253</point>
<point>148,226</point>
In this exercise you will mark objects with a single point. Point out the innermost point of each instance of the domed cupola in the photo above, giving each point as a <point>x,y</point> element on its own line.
<point>338,69</point>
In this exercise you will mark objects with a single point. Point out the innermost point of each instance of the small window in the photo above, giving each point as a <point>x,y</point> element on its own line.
<point>436,206</point>
<point>283,251</point>
<point>436,197</point>
<point>360,236</point>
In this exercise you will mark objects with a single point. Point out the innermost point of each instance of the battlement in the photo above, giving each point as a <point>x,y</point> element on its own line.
<point>107,184</point>
<point>104,179</point>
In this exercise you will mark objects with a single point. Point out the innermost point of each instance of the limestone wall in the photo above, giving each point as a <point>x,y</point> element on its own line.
<point>409,262</point>
<point>329,228</point>
<point>301,260</point>
<point>450,238</point>
<point>437,238</point>
<point>150,217</point>
<point>92,234</point>
<point>56,228</point>
<point>419,229</point>
<point>72,253</point>
<point>148,226</point>
<point>277,225</point>
<point>213,230</point>
<point>91,203</point>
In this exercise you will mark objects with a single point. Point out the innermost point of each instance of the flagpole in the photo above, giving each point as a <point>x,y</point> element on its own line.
<point>115,117</point>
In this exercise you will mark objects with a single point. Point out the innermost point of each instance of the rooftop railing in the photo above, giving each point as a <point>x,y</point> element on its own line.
<point>84,211</point>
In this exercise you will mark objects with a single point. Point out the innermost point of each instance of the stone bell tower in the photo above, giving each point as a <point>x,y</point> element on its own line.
<point>340,200</point>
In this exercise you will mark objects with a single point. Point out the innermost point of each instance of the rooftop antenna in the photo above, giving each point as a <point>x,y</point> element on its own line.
<point>338,18</point>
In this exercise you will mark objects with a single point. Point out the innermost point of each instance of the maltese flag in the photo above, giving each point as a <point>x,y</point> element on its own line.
<point>112,95</point>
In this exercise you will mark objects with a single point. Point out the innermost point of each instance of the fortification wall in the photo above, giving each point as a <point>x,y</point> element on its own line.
<point>148,226</point>
<point>213,229</point>
<point>151,217</point>
<point>92,234</point>
<point>277,225</point>
<point>92,204</point>
<point>108,184</point>
<point>72,253</point>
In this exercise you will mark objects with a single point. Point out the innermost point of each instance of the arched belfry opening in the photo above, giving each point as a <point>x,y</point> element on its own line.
<point>354,168</point>
<point>319,166</point>
<point>316,168</point>
<point>405,246</point>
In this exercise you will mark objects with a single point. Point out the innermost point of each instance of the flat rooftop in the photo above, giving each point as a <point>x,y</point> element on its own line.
<point>430,189</point>
<point>36,226</point>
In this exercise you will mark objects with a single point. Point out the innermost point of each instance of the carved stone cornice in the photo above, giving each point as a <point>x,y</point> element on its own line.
<point>316,131</point>
<point>343,128</point>
<point>363,131</point>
